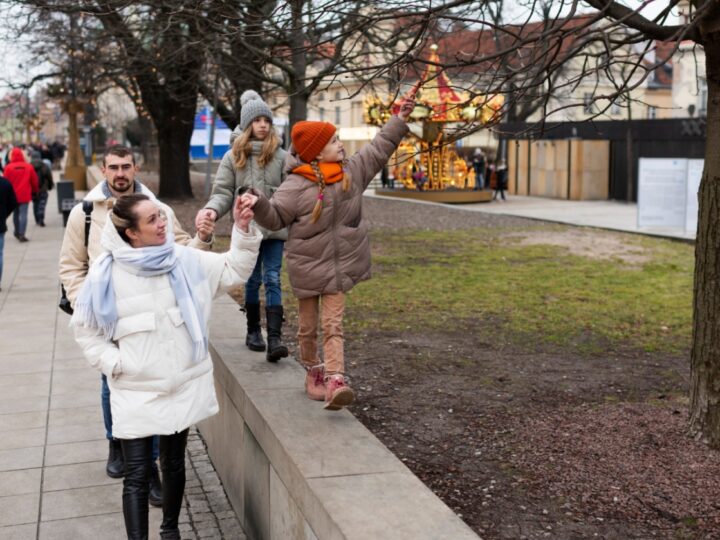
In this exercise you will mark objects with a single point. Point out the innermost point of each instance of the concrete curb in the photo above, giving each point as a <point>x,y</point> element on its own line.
<point>293,470</point>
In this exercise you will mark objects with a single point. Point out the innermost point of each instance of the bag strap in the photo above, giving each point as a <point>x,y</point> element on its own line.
<point>87,208</point>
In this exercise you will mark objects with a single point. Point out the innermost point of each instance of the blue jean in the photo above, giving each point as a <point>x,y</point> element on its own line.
<point>20,219</point>
<point>39,203</point>
<point>267,271</point>
<point>107,418</point>
<point>2,248</point>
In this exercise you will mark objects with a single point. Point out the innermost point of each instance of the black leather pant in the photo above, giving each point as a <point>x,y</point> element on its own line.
<point>138,460</point>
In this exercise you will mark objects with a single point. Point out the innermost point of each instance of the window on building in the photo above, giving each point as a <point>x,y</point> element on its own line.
<point>337,96</point>
<point>588,103</point>
<point>322,113</point>
<point>652,112</point>
<point>357,117</point>
<point>615,108</point>
<point>337,116</point>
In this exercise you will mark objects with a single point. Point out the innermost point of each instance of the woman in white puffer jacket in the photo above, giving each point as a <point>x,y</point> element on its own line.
<point>142,319</point>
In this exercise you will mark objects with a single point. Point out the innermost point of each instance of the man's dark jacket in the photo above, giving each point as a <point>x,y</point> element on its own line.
<point>8,202</point>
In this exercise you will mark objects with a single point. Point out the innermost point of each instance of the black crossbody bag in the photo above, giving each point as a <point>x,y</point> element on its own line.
<point>64,302</point>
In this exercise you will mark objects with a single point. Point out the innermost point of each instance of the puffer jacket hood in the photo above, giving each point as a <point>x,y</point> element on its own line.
<point>110,239</point>
<point>17,155</point>
<point>235,134</point>
<point>292,161</point>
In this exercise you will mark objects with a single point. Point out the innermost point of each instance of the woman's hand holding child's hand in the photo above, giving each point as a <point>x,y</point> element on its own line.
<point>248,200</point>
<point>205,223</point>
<point>242,214</point>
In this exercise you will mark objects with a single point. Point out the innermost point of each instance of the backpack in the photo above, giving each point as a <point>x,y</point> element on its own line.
<point>64,302</point>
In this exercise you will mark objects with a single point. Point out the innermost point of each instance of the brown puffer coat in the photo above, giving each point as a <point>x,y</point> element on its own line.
<point>333,254</point>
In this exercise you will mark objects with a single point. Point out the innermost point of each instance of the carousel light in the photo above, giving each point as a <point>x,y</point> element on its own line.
<point>420,112</point>
<point>469,113</point>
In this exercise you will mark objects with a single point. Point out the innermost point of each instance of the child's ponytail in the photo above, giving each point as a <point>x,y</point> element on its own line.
<point>317,209</point>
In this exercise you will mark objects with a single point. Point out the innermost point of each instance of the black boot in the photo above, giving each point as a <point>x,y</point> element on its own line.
<point>155,493</point>
<point>172,461</point>
<point>115,464</point>
<point>254,339</point>
<point>274,317</point>
<point>138,459</point>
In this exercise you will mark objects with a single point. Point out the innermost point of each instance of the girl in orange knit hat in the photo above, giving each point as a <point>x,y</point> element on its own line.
<point>328,250</point>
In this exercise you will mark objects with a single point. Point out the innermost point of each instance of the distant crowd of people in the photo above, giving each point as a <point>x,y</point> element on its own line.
<point>25,176</point>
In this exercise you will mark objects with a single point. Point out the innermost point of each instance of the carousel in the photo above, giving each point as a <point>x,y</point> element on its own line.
<point>426,165</point>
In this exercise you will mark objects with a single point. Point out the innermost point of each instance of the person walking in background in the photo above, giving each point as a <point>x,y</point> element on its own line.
<point>255,160</point>
<point>77,255</point>
<point>478,163</point>
<point>142,318</point>
<point>8,202</point>
<point>25,183</point>
<point>328,250</point>
<point>500,179</point>
<point>45,184</point>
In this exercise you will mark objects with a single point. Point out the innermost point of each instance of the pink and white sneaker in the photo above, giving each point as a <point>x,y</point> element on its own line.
<point>337,393</point>
<point>315,383</point>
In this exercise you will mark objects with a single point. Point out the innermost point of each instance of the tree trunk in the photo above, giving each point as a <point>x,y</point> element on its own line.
<point>298,107</point>
<point>174,147</point>
<point>705,353</point>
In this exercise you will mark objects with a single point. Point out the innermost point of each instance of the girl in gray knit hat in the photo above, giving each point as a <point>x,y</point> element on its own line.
<point>255,159</point>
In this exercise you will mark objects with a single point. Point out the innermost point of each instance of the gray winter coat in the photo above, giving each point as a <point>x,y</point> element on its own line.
<point>333,254</point>
<point>265,179</point>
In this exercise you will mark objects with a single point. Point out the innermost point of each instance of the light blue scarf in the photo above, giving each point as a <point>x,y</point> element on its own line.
<point>96,306</point>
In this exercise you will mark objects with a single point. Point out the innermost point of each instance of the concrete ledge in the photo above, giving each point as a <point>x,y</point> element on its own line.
<point>295,471</point>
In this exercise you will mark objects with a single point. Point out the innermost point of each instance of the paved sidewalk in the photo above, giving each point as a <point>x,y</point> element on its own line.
<point>53,448</point>
<point>613,215</point>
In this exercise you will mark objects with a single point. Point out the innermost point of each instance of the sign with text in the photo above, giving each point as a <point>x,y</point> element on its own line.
<point>694,175</point>
<point>662,192</point>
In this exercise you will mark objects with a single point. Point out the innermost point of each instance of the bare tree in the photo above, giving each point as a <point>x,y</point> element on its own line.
<point>301,46</point>
<point>607,49</point>
<point>155,50</point>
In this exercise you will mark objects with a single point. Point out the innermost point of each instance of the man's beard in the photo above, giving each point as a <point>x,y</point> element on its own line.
<point>123,189</point>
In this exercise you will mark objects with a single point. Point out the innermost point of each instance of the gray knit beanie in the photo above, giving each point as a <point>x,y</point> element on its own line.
<point>252,106</point>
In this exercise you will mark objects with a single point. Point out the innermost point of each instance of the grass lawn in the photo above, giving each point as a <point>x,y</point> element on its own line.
<point>493,283</point>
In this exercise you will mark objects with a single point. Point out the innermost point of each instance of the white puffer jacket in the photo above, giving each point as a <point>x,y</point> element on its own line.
<point>155,387</point>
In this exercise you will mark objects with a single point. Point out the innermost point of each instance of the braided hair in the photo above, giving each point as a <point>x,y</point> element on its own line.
<point>317,209</point>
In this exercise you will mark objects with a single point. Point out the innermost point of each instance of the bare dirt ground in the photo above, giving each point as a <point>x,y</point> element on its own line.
<point>532,442</point>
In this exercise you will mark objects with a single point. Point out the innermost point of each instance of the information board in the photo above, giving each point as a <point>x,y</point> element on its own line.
<point>694,175</point>
<point>662,188</point>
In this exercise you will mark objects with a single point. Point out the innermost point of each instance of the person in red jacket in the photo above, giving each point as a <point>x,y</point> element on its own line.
<point>24,180</point>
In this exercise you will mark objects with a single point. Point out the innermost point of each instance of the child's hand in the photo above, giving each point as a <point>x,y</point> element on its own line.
<point>242,215</point>
<point>409,103</point>
<point>248,200</point>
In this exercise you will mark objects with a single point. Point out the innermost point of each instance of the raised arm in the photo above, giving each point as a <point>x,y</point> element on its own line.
<point>278,212</point>
<point>373,157</point>
<point>184,239</point>
<point>234,267</point>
